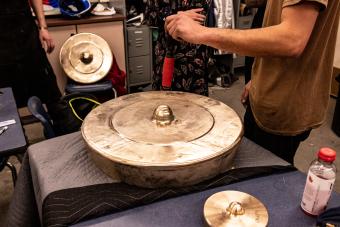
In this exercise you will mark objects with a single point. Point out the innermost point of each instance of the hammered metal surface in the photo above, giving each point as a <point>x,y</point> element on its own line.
<point>86,58</point>
<point>102,136</point>
<point>234,208</point>
<point>121,130</point>
<point>191,122</point>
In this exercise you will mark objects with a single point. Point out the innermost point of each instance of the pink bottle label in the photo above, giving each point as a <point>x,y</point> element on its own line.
<point>316,194</point>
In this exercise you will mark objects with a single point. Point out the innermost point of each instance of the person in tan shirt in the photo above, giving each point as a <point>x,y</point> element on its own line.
<point>291,78</point>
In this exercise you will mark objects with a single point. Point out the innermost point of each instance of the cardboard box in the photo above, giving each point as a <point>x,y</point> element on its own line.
<point>335,84</point>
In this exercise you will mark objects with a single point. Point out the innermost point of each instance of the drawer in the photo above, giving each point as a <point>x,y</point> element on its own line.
<point>138,41</point>
<point>139,70</point>
<point>244,22</point>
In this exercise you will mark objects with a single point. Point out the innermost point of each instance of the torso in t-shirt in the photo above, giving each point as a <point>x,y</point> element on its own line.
<point>290,95</point>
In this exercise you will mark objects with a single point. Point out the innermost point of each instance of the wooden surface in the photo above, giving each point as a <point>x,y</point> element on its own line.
<point>60,21</point>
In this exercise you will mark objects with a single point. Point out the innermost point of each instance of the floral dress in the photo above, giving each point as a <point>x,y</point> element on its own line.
<point>190,73</point>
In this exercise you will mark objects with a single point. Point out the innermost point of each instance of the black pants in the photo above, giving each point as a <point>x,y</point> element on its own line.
<point>283,146</point>
<point>30,77</point>
<point>23,63</point>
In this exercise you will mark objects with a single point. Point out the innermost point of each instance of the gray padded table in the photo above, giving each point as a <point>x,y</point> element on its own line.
<point>63,163</point>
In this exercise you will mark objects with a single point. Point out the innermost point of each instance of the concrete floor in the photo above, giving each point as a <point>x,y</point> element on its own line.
<point>320,137</point>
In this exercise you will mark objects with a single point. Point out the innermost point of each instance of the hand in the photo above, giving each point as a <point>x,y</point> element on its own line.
<point>195,15</point>
<point>245,94</point>
<point>46,40</point>
<point>184,28</point>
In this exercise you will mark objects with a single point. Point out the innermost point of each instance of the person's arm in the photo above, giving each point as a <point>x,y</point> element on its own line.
<point>256,3</point>
<point>287,39</point>
<point>45,38</point>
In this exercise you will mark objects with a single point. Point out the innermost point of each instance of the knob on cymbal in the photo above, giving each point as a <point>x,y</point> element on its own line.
<point>233,208</point>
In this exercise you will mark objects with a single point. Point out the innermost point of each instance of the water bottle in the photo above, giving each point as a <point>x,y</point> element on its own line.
<point>319,183</point>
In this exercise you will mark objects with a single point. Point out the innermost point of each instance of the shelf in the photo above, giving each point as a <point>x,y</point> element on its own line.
<point>61,21</point>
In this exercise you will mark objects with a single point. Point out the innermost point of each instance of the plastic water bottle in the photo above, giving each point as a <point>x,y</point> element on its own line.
<point>319,183</point>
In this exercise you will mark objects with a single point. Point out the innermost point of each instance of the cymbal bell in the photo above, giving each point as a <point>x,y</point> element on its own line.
<point>234,208</point>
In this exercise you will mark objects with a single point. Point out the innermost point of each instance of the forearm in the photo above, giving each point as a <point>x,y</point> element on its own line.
<point>286,39</point>
<point>39,13</point>
<point>271,41</point>
<point>256,3</point>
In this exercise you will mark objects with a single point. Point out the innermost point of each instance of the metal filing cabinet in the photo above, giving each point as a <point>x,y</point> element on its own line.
<point>139,55</point>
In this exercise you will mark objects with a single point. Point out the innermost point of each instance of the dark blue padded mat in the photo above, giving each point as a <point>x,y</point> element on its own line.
<point>281,194</point>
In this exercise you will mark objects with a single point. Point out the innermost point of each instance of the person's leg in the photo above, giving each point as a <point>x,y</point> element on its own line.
<point>43,84</point>
<point>42,81</point>
<point>284,147</point>
<point>11,76</point>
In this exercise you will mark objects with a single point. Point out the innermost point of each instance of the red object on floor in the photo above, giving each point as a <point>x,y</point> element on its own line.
<point>117,78</point>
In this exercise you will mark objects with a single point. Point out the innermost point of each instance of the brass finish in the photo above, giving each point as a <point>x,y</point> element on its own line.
<point>137,123</point>
<point>86,58</point>
<point>163,115</point>
<point>233,208</point>
<point>163,139</point>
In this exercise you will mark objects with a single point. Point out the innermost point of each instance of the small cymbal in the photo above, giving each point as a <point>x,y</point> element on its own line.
<point>86,58</point>
<point>234,208</point>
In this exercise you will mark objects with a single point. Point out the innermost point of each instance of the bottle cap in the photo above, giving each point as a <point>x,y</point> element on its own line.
<point>327,154</point>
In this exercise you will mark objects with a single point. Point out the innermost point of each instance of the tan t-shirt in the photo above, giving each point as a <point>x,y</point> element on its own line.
<point>290,95</point>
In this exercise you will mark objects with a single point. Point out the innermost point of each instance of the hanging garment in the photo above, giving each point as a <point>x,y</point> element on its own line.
<point>190,72</point>
<point>224,13</point>
<point>221,71</point>
<point>224,17</point>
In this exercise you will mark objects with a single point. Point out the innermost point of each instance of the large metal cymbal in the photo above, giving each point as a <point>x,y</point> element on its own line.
<point>234,208</point>
<point>190,122</point>
<point>86,58</point>
<point>163,131</point>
